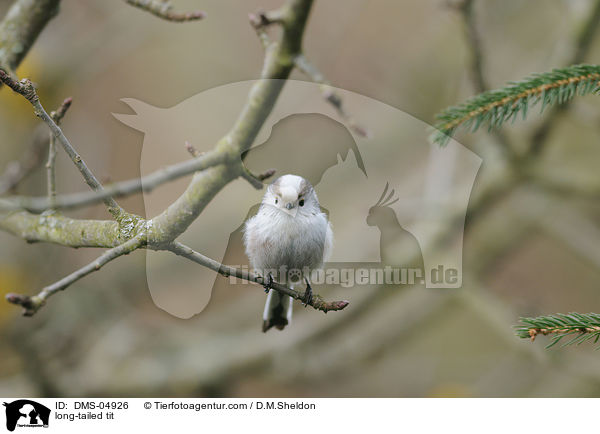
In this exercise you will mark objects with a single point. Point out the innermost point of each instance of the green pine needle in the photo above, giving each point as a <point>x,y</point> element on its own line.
<point>495,107</point>
<point>582,327</point>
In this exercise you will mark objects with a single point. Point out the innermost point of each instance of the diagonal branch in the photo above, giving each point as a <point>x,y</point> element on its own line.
<point>260,21</point>
<point>317,302</point>
<point>220,169</point>
<point>162,9</point>
<point>31,304</point>
<point>330,95</point>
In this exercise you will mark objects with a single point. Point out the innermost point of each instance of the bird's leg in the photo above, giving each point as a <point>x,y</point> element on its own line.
<point>269,283</point>
<point>308,296</point>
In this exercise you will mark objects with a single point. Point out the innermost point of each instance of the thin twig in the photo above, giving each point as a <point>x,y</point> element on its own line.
<point>261,20</point>
<point>31,304</point>
<point>57,116</point>
<point>193,151</point>
<point>163,10</point>
<point>317,302</point>
<point>330,95</point>
<point>257,180</point>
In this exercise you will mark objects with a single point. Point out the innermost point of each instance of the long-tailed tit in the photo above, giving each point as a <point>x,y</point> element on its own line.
<point>286,239</point>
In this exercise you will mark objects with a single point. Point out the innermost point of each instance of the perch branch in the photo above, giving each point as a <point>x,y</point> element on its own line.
<point>31,304</point>
<point>317,302</point>
<point>163,10</point>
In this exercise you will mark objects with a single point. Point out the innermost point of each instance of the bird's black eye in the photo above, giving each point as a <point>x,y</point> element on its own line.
<point>301,203</point>
<point>276,201</point>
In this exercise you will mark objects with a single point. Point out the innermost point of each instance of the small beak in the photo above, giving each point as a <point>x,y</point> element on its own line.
<point>289,205</point>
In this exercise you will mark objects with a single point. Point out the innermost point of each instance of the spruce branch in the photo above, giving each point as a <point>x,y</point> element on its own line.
<point>584,327</point>
<point>496,107</point>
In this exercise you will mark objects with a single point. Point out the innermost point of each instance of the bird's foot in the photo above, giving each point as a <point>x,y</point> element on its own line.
<point>269,283</point>
<point>308,295</point>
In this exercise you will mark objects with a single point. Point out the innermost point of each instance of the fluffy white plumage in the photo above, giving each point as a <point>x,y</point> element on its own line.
<point>289,231</point>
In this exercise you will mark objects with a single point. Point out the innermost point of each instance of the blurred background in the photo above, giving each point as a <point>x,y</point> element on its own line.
<point>528,252</point>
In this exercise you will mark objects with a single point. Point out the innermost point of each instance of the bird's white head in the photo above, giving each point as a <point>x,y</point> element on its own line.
<point>293,195</point>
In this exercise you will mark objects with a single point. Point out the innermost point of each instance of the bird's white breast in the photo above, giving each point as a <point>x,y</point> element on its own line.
<point>274,239</point>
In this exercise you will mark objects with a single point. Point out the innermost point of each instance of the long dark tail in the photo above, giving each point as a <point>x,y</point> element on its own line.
<point>278,311</point>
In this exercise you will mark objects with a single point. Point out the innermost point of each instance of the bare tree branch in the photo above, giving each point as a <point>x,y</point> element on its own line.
<point>221,166</point>
<point>125,188</point>
<point>163,9</point>
<point>330,95</point>
<point>317,301</point>
<point>278,64</point>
